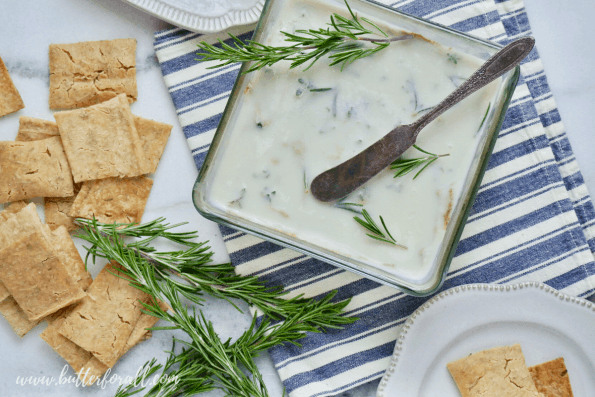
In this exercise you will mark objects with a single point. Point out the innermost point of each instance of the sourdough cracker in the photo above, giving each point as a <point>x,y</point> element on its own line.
<point>551,378</point>
<point>94,369</point>
<point>34,169</point>
<point>10,100</point>
<point>15,316</point>
<point>33,129</point>
<point>113,200</point>
<point>16,225</point>
<point>36,278</point>
<point>153,136</point>
<point>16,206</point>
<point>4,293</point>
<point>104,320</point>
<point>70,257</point>
<point>57,210</point>
<point>74,355</point>
<point>497,372</point>
<point>16,222</point>
<point>101,141</point>
<point>87,73</point>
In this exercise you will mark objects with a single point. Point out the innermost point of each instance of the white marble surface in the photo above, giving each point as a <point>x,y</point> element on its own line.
<point>563,31</point>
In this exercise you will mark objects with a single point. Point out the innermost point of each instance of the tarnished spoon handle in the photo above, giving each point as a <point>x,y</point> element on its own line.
<point>503,61</point>
<point>351,174</point>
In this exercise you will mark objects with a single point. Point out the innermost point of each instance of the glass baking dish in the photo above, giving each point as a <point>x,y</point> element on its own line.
<point>432,276</point>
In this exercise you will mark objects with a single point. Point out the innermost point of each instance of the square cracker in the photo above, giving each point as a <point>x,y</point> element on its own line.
<point>17,222</point>
<point>73,263</point>
<point>113,200</point>
<point>74,355</point>
<point>87,73</point>
<point>94,369</point>
<point>101,141</point>
<point>79,358</point>
<point>10,100</point>
<point>15,316</point>
<point>497,372</point>
<point>34,169</point>
<point>551,378</point>
<point>57,210</point>
<point>32,129</point>
<point>36,277</point>
<point>104,320</point>
<point>153,136</point>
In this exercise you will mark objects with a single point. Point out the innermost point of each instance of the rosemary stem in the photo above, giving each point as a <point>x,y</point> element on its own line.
<point>370,39</point>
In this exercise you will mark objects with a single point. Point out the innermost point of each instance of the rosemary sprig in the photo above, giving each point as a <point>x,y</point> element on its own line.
<point>376,232</point>
<point>343,39</point>
<point>205,362</point>
<point>405,166</point>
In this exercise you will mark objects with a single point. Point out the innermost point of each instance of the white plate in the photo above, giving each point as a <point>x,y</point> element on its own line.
<point>468,319</point>
<point>204,16</point>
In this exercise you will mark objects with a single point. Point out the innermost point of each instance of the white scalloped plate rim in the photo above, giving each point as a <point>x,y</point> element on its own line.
<point>427,308</point>
<point>196,22</point>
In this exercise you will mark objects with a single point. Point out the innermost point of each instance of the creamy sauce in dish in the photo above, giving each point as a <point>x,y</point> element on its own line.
<point>292,125</point>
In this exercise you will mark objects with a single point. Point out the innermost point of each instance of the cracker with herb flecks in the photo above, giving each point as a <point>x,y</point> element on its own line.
<point>87,73</point>
<point>105,319</point>
<point>57,210</point>
<point>497,372</point>
<point>34,169</point>
<point>74,355</point>
<point>33,129</point>
<point>16,222</point>
<point>94,369</point>
<point>79,358</point>
<point>10,100</point>
<point>101,141</point>
<point>153,136</point>
<point>35,276</point>
<point>551,378</point>
<point>69,254</point>
<point>113,200</point>
<point>15,316</point>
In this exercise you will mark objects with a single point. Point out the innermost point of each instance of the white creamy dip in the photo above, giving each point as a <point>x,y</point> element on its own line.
<point>283,135</point>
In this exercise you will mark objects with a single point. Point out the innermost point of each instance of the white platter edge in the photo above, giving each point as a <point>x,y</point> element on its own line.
<point>199,23</point>
<point>423,310</point>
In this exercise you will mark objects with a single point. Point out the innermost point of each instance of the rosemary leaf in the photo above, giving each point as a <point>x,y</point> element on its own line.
<point>485,116</point>
<point>405,166</point>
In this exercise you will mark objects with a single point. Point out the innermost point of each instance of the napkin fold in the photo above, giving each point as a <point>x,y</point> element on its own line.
<point>532,220</point>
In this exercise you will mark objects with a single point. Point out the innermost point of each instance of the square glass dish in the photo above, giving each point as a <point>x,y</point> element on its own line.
<point>282,127</point>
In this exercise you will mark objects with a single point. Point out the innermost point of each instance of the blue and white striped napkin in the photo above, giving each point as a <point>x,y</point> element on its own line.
<point>532,220</point>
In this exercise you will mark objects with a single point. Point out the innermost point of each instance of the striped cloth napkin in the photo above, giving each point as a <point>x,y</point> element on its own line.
<point>532,220</point>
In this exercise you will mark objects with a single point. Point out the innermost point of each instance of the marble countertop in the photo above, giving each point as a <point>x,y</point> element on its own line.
<point>27,28</point>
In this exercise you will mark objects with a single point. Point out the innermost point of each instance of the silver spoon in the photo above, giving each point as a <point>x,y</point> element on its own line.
<point>338,182</point>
